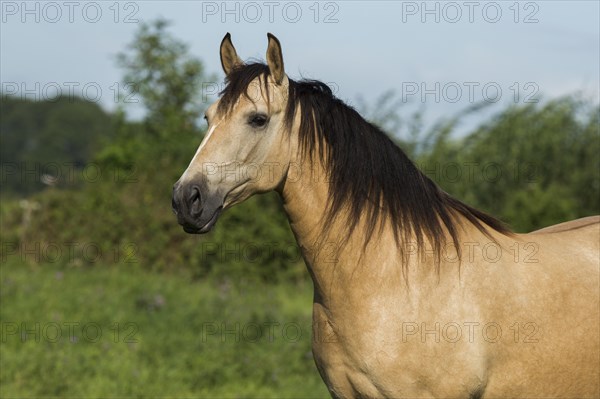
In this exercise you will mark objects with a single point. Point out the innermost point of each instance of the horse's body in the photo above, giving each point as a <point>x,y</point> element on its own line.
<point>377,337</point>
<point>397,313</point>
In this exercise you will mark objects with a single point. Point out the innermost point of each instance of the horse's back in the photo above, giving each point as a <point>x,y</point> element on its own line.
<point>590,221</point>
<point>578,238</point>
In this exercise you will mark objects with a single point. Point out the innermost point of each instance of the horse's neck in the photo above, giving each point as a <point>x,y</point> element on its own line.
<point>339,268</point>
<point>305,200</point>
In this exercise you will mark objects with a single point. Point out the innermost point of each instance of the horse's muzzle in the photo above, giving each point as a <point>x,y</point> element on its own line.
<point>196,210</point>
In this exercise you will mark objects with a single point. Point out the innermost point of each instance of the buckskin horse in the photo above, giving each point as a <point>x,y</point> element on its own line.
<point>416,294</point>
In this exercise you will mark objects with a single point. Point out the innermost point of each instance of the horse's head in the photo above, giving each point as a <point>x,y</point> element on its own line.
<point>245,150</point>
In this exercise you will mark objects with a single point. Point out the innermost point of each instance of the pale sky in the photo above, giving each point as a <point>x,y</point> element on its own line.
<point>442,55</point>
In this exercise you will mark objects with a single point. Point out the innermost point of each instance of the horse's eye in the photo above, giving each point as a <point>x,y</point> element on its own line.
<point>258,120</point>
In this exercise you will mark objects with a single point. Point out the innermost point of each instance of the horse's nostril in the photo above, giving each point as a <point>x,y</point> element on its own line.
<point>174,205</point>
<point>194,194</point>
<point>195,201</point>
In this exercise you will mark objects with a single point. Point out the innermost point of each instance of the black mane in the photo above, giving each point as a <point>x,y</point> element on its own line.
<point>368,174</point>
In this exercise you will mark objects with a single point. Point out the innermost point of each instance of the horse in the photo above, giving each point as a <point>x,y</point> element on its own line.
<point>416,294</point>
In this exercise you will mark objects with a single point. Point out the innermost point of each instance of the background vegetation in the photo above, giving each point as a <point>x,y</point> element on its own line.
<point>88,235</point>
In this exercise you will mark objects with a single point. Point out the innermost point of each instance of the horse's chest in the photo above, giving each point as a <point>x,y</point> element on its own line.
<point>336,361</point>
<point>364,360</point>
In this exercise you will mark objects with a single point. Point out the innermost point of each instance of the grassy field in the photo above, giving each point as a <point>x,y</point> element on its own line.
<point>121,332</point>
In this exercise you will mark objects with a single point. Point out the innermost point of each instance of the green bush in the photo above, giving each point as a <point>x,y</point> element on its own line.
<point>532,166</point>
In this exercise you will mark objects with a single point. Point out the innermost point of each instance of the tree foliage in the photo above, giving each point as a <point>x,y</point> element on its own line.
<point>532,165</point>
<point>56,138</point>
<point>166,78</point>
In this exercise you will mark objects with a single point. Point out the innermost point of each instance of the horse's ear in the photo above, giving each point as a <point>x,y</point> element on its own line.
<point>229,57</point>
<point>275,59</point>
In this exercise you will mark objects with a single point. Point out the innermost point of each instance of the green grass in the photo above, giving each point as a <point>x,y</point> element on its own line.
<point>161,335</point>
